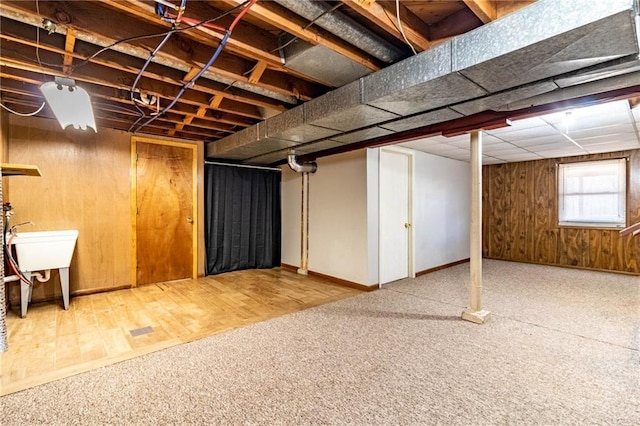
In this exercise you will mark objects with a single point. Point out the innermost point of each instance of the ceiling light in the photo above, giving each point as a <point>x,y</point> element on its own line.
<point>70,104</point>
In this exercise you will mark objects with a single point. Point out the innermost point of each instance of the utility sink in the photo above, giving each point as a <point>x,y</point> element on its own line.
<point>39,251</point>
<point>42,251</point>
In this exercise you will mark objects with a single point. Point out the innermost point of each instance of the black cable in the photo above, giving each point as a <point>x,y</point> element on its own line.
<point>145,36</point>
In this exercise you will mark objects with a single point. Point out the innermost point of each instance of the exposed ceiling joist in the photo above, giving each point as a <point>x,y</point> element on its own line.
<point>413,28</point>
<point>486,10</point>
<point>291,23</point>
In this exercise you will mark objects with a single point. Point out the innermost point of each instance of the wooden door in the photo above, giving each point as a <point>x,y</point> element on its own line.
<point>164,211</point>
<point>395,216</point>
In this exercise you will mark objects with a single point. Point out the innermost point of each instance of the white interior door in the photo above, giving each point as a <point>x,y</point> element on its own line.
<point>395,216</point>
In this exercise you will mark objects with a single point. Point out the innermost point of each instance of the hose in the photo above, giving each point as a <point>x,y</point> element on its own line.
<point>13,264</point>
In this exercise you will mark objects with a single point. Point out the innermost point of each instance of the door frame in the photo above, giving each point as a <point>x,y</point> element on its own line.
<point>411,235</point>
<point>134,198</point>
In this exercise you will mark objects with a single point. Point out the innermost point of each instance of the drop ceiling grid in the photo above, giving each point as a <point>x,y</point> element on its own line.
<point>597,129</point>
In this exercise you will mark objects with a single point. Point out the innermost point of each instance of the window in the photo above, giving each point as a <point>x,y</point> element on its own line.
<point>592,193</point>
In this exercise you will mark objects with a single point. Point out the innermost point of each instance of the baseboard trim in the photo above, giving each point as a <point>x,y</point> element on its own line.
<point>560,265</point>
<point>339,281</point>
<point>289,267</point>
<point>445,266</point>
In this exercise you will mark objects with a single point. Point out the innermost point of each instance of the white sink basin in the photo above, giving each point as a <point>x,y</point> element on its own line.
<point>39,251</point>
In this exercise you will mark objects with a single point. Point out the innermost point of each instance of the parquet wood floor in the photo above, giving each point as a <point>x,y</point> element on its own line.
<point>51,343</point>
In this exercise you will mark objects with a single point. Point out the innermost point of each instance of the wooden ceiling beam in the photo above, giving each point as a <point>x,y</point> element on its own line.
<point>157,72</point>
<point>485,10</point>
<point>95,74</point>
<point>414,28</point>
<point>88,19</point>
<point>69,44</point>
<point>279,17</point>
<point>121,97</point>
<point>458,23</point>
<point>247,40</point>
<point>112,116</point>
<point>257,71</point>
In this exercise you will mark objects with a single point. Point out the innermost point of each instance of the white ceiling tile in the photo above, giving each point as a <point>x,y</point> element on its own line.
<point>557,138</point>
<point>593,116</point>
<point>520,157</point>
<point>600,131</point>
<point>490,140</point>
<point>612,146</point>
<point>491,160</point>
<point>502,148</point>
<point>620,138</point>
<point>533,132</point>
<point>553,146</point>
<point>460,143</point>
<point>561,153</point>
<point>419,144</point>
<point>600,128</point>
<point>516,125</point>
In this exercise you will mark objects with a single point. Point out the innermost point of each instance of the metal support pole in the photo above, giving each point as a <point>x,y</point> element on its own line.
<point>304,226</point>
<point>474,312</point>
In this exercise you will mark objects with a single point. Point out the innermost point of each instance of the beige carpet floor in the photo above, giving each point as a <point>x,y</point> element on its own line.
<point>561,348</point>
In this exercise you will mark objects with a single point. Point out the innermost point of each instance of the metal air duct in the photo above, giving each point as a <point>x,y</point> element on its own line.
<point>310,167</point>
<point>344,27</point>
<point>525,57</point>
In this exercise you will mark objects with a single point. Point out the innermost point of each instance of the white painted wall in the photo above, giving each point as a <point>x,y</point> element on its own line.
<point>290,197</point>
<point>338,223</point>
<point>441,203</point>
<point>343,218</point>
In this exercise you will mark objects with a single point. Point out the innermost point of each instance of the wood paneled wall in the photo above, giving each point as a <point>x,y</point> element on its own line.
<point>520,219</point>
<point>85,185</point>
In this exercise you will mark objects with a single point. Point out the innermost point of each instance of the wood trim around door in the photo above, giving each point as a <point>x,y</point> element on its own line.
<point>134,192</point>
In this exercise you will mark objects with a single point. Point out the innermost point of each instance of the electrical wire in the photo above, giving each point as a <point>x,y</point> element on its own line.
<point>22,114</point>
<point>146,64</point>
<point>38,34</point>
<point>142,70</point>
<point>306,27</point>
<point>154,35</point>
<point>401,29</point>
<point>246,6</point>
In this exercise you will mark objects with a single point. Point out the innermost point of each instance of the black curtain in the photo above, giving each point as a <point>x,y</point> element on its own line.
<point>242,218</point>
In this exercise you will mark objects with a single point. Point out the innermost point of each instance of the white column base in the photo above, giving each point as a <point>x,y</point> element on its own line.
<point>478,317</point>
<point>303,271</point>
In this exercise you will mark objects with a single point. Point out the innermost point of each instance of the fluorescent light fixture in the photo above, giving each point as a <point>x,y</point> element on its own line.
<point>70,104</point>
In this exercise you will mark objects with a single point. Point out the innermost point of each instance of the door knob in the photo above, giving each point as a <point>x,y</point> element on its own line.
<point>190,219</point>
<point>407,225</point>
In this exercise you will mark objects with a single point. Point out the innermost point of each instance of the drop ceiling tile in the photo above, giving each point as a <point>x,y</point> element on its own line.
<point>602,131</point>
<point>612,147</point>
<point>462,143</point>
<point>490,140</point>
<point>564,144</point>
<point>421,144</point>
<point>622,137</point>
<point>594,116</point>
<point>503,147</point>
<point>568,152</point>
<point>527,123</point>
<point>491,160</point>
<point>525,133</point>
<point>545,140</point>
<point>519,157</point>
<point>442,148</point>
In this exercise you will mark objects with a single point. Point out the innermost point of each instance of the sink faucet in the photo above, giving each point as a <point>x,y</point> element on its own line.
<point>13,229</point>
